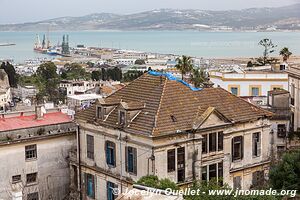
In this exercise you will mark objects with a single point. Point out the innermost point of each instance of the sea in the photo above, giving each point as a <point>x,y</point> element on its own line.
<point>192,43</point>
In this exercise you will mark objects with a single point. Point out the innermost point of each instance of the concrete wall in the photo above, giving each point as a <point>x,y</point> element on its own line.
<point>51,165</point>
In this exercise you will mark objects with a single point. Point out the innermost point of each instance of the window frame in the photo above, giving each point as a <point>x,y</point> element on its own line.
<point>256,144</point>
<point>171,162</point>
<point>240,150</point>
<point>131,157</point>
<point>14,180</point>
<point>34,180</point>
<point>110,149</point>
<point>30,152</point>
<point>90,146</point>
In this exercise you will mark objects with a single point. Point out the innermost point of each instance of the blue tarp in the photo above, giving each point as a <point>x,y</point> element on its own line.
<point>173,78</point>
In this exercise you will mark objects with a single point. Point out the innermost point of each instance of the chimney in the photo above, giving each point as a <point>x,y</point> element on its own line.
<point>38,112</point>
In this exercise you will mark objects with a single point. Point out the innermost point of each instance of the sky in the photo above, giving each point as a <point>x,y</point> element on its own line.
<point>19,11</point>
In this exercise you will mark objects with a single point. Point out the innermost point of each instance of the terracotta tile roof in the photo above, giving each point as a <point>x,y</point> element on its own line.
<point>171,106</point>
<point>23,122</point>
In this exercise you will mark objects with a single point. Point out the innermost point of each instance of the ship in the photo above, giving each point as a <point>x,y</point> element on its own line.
<point>38,47</point>
<point>6,44</point>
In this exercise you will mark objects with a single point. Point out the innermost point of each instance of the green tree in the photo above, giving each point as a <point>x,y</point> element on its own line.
<point>11,73</point>
<point>285,53</point>
<point>47,81</point>
<point>184,65</point>
<point>140,62</point>
<point>269,48</point>
<point>75,71</point>
<point>96,75</point>
<point>154,182</point>
<point>286,174</point>
<point>199,77</point>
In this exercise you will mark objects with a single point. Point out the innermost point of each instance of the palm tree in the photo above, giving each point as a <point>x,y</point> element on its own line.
<point>199,77</point>
<point>285,53</point>
<point>184,65</point>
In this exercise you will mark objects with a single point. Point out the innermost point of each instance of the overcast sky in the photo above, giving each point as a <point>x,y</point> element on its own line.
<point>17,11</point>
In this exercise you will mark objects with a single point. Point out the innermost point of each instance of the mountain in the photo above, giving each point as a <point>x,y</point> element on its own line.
<point>282,18</point>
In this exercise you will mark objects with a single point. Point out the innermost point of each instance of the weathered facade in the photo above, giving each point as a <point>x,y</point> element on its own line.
<point>34,152</point>
<point>158,126</point>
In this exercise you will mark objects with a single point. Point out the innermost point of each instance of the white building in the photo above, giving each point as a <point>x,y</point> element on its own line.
<point>250,83</point>
<point>78,87</point>
<point>82,100</point>
<point>34,150</point>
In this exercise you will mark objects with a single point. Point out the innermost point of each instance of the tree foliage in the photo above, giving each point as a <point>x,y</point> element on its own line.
<point>155,182</point>
<point>269,47</point>
<point>286,174</point>
<point>184,65</point>
<point>285,53</point>
<point>131,75</point>
<point>140,62</point>
<point>74,71</point>
<point>11,73</point>
<point>47,81</point>
<point>199,77</point>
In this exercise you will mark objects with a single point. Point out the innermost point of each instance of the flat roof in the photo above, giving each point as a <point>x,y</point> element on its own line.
<point>82,97</point>
<point>23,122</point>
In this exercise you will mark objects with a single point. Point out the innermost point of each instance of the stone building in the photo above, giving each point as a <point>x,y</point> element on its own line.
<point>159,126</point>
<point>34,150</point>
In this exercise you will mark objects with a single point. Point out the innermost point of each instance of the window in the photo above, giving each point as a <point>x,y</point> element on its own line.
<point>16,178</point>
<point>204,173</point>
<point>293,94</point>
<point>122,118</point>
<point>30,152</point>
<point>171,160</point>
<point>254,91</point>
<point>220,141</point>
<point>110,188</point>
<point>131,160</point>
<point>212,142</point>
<point>220,173</point>
<point>256,144</point>
<point>237,148</point>
<point>110,149</point>
<point>90,185</point>
<point>234,90</point>
<point>181,164</point>
<point>204,144</point>
<point>99,112</point>
<point>212,171</point>
<point>281,130</point>
<point>258,178</point>
<point>33,196</point>
<point>90,146</point>
<point>31,178</point>
<point>237,182</point>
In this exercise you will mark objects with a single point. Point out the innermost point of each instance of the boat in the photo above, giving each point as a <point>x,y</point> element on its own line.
<point>6,44</point>
<point>38,47</point>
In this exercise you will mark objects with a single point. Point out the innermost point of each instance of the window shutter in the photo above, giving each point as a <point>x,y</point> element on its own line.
<point>242,147</point>
<point>259,144</point>
<point>126,159</point>
<point>134,161</point>
<point>106,152</point>
<point>114,152</point>
<point>232,149</point>
<point>93,188</point>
